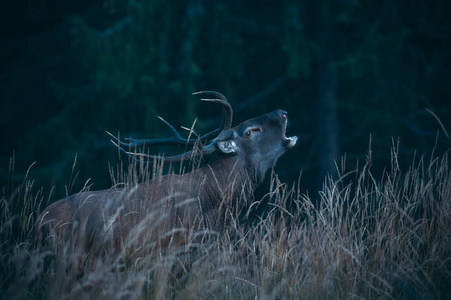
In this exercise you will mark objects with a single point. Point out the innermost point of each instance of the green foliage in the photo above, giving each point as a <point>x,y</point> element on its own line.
<point>119,64</point>
<point>298,49</point>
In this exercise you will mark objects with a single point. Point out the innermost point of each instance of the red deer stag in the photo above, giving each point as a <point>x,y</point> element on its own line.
<point>203,199</point>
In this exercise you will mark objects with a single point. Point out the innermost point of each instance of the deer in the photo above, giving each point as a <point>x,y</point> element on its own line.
<point>173,205</point>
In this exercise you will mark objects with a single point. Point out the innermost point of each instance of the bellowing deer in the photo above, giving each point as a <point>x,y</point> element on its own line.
<point>202,199</point>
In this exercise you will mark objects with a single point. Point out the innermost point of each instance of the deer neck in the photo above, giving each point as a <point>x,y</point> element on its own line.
<point>228,187</point>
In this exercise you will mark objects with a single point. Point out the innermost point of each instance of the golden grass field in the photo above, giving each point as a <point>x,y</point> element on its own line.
<point>362,237</point>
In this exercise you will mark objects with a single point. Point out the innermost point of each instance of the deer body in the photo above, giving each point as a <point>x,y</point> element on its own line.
<point>177,204</point>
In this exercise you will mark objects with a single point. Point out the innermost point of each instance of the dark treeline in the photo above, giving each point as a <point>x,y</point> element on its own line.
<point>347,72</point>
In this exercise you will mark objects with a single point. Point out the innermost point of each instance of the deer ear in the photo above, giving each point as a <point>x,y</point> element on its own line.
<point>227,146</point>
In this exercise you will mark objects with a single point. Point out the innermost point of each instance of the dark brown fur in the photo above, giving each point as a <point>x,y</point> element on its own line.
<point>173,209</point>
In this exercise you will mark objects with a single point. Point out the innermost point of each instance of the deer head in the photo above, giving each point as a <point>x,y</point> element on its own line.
<point>257,142</point>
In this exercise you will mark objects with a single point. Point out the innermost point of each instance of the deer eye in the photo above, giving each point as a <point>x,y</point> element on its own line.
<point>250,132</point>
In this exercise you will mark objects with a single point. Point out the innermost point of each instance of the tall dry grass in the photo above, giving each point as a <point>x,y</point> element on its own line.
<point>365,237</point>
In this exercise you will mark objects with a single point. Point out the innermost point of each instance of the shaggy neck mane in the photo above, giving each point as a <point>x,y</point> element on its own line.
<point>228,188</point>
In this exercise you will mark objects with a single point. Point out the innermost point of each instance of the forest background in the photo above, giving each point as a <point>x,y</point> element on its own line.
<point>349,73</point>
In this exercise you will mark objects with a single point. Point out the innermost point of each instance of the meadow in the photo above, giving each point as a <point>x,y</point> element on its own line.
<point>364,236</point>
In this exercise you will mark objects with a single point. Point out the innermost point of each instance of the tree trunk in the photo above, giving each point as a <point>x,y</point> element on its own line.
<point>327,121</point>
<point>327,125</point>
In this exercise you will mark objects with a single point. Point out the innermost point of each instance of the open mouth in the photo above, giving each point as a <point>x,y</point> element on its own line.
<point>289,142</point>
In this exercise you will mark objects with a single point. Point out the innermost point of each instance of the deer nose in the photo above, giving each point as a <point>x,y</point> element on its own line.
<point>284,114</point>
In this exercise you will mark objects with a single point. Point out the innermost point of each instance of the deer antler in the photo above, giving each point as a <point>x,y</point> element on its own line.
<point>176,139</point>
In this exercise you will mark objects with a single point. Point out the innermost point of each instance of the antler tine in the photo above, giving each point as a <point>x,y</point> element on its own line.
<point>227,111</point>
<point>173,130</point>
<point>176,139</point>
<point>219,95</point>
<point>132,154</point>
<point>176,158</point>
<point>116,141</point>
